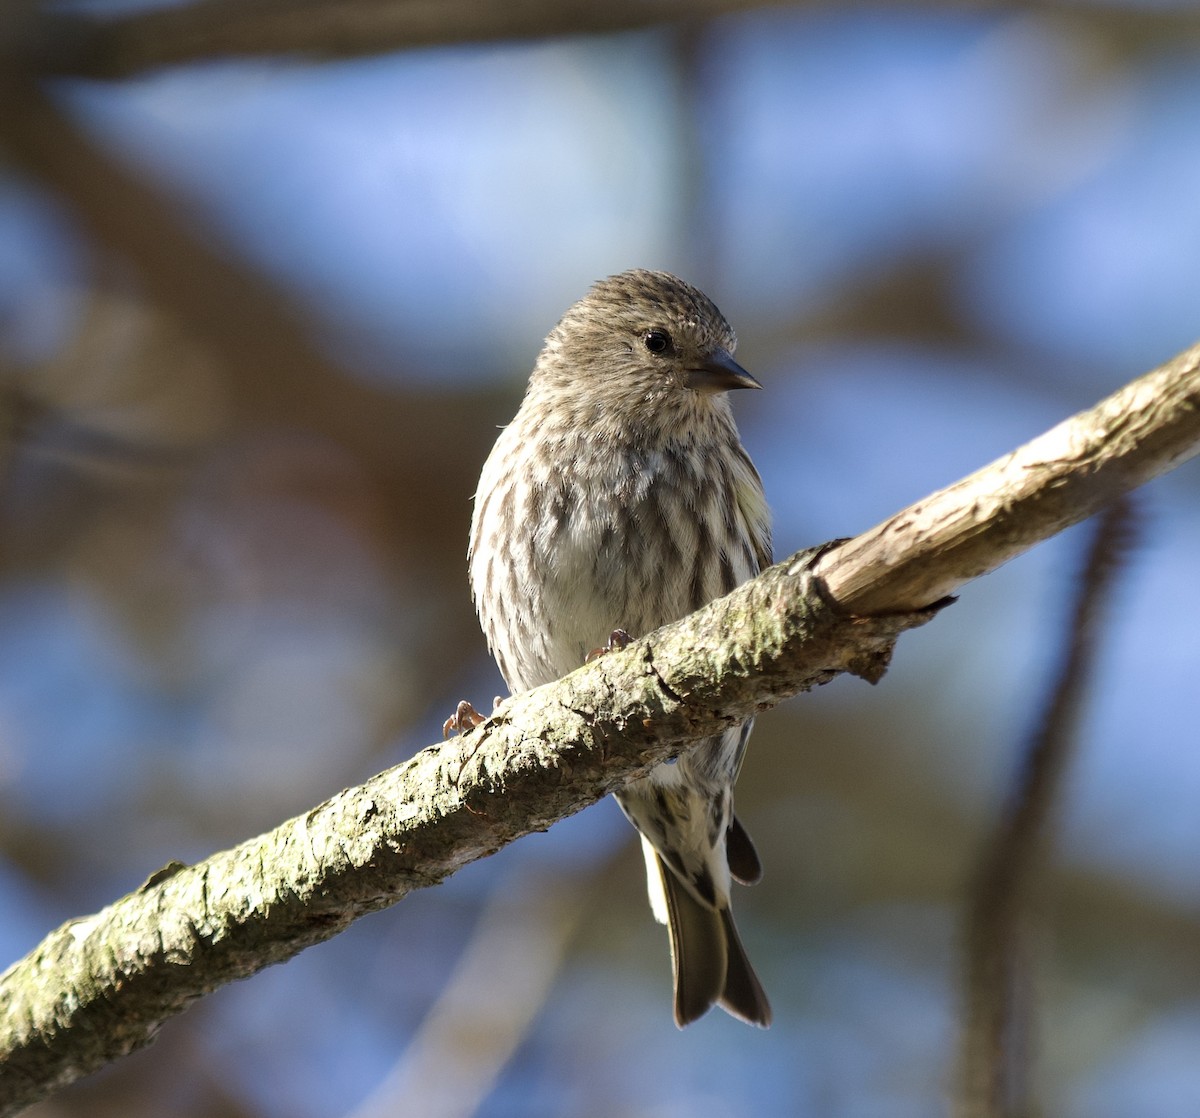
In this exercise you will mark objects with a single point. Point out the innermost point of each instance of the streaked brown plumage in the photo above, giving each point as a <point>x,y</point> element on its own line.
<point>620,497</point>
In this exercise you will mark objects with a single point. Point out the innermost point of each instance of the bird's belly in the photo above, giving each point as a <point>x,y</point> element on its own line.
<point>633,545</point>
<point>600,580</point>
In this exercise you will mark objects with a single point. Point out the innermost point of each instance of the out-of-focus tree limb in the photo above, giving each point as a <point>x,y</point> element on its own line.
<point>101,986</point>
<point>238,317</point>
<point>84,45</point>
<point>262,346</point>
<point>997,1032</point>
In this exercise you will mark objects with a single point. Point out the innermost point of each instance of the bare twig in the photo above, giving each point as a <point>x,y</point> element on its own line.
<point>997,1029</point>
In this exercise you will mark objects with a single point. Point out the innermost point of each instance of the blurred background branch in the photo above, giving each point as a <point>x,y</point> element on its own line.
<point>487,1008</point>
<point>1000,983</point>
<point>113,47</point>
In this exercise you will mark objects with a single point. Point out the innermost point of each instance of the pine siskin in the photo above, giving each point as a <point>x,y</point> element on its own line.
<point>620,497</point>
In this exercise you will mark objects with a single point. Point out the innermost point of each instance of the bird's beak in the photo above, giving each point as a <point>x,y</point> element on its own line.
<point>719,373</point>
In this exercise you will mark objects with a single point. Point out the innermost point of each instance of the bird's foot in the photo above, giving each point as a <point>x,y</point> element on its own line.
<point>617,640</point>
<point>464,719</point>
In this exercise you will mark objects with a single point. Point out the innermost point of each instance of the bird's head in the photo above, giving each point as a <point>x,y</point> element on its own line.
<point>643,339</point>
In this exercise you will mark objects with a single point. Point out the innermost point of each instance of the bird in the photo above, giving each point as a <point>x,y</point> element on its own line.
<point>620,498</point>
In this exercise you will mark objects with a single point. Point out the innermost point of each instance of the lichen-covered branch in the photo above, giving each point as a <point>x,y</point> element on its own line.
<point>100,987</point>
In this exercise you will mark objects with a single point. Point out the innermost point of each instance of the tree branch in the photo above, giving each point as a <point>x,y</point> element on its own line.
<point>81,44</point>
<point>100,987</point>
<point>931,548</point>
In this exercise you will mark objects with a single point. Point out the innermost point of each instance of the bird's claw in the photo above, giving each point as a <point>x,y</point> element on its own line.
<point>617,640</point>
<point>464,718</point>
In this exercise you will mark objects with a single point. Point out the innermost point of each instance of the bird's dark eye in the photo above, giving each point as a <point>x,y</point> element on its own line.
<point>656,340</point>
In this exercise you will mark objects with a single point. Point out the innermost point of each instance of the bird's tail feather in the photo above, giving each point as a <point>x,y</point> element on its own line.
<point>743,995</point>
<point>709,962</point>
